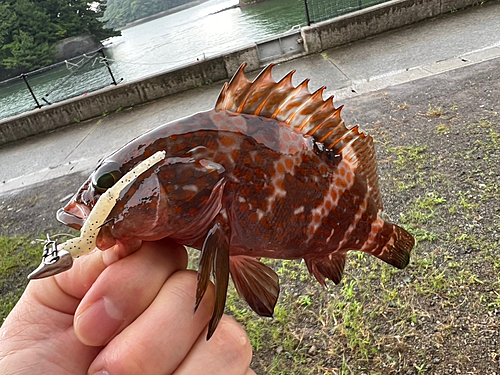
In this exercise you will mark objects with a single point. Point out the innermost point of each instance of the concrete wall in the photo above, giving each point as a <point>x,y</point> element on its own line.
<point>126,94</point>
<point>374,20</point>
<point>318,37</point>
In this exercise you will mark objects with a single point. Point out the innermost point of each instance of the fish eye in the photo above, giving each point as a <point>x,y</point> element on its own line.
<point>106,180</point>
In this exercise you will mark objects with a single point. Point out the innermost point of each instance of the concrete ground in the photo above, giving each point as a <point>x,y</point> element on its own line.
<point>427,48</point>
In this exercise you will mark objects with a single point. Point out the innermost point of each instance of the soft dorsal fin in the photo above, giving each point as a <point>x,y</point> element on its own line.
<point>305,112</point>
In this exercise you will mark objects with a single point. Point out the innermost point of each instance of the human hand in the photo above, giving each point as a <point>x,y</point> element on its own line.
<point>121,314</point>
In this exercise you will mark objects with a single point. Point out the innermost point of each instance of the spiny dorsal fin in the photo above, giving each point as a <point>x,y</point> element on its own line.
<point>305,112</point>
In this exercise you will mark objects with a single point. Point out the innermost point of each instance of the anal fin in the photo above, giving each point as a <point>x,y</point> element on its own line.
<point>256,283</point>
<point>393,245</point>
<point>214,260</point>
<point>330,266</point>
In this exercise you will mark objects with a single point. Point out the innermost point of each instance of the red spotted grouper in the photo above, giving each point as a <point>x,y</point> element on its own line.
<point>271,171</point>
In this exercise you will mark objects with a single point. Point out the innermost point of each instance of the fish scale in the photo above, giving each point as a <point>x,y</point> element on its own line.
<point>271,171</point>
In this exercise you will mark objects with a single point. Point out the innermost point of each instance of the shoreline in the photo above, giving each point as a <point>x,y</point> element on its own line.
<point>162,14</point>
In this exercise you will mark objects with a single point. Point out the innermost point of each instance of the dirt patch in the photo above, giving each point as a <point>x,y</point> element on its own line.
<point>32,211</point>
<point>438,145</point>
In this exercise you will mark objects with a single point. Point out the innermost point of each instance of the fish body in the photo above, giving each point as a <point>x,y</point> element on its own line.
<point>271,171</point>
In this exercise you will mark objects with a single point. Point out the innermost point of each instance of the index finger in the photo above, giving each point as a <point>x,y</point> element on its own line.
<point>64,291</point>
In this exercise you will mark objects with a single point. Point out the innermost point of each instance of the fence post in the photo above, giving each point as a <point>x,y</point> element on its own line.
<point>31,91</point>
<point>308,20</point>
<point>107,66</point>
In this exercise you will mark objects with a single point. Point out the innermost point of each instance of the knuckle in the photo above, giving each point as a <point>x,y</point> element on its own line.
<point>167,252</point>
<point>183,285</point>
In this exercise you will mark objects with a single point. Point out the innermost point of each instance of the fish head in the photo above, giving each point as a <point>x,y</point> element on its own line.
<point>140,209</point>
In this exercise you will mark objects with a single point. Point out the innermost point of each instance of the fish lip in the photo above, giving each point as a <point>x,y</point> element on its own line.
<point>73,215</point>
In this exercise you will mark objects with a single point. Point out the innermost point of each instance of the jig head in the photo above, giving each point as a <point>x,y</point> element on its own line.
<point>54,261</point>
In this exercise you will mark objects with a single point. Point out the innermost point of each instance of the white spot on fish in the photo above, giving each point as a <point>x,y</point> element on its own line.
<point>298,210</point>
<point>331,235</point>
<point>260,214</point>
<point>280,170</point>
<point>354,224</point>
<point>193,188</point>
<point>198,148</point>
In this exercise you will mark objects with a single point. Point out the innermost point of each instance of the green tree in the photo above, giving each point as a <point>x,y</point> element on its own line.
<point>29,29</point>
<point>8,18</point>
<point>34,21</point>
<point>25,52</point>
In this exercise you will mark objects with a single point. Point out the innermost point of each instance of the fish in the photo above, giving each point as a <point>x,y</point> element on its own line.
<point>271,171</point>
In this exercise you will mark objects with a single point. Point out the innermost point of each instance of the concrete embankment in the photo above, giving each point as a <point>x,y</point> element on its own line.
<point>311,39</point>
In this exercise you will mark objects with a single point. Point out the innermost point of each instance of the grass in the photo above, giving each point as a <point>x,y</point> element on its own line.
<point>434,111</point>
<point>17,256</point>
<point>442,129</point>
<point>408,155</point>
<point>17,252</point>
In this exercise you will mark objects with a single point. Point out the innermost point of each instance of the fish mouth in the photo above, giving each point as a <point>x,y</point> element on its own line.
<point>73,215</point>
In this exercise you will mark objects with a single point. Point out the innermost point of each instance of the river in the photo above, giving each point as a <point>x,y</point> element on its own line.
<point>205,30</point>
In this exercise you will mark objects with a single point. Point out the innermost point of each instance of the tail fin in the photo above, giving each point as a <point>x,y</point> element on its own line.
<point>392,244</point>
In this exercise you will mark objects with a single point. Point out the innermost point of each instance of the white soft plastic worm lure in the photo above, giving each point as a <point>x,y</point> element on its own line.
<point>56,260</point>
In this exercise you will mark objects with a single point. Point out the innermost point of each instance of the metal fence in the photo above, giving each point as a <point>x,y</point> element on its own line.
<point>321,10</point>
<point>54,83</point>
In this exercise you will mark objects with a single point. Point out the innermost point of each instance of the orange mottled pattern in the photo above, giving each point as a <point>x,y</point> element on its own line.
<point>282,197</point>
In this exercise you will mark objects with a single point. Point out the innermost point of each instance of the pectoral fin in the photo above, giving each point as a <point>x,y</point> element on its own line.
<point>256,283</point>
<point>214,260</point>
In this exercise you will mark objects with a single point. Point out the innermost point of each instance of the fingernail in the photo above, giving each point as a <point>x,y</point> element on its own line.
<point>97,324</point>
<point>100,372</point>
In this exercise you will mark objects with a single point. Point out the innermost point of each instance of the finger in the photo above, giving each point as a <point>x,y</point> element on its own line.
<point>227,352</point>
<point>158,340</point>
<point>125,289</point>
<point>121,249</point>
<point>40,327</point>
<point>250,372</point>
<point>64,291</point>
